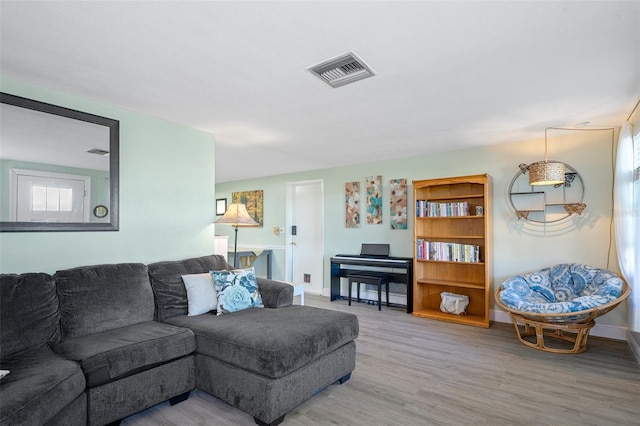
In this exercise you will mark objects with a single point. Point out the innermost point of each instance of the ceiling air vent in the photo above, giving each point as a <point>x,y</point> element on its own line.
<point>344,69</point>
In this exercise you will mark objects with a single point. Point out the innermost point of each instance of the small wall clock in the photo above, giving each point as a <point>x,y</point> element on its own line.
<point>100,211</point>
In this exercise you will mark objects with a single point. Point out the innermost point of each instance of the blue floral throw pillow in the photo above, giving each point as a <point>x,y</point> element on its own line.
<point>237,290</point>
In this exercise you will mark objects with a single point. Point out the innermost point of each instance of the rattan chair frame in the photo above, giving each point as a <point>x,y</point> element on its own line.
<point>554,325</point>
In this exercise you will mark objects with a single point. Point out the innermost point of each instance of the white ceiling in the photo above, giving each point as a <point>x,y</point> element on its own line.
<point>450,74</point>
<point>38,137</point>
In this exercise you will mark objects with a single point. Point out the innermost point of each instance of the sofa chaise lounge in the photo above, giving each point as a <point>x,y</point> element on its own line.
<point>94,344</point>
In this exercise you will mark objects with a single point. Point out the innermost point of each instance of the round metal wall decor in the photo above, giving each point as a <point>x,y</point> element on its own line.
<point>547,203</point>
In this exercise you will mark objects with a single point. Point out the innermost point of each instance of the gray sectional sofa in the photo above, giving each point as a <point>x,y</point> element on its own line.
<point>92,345</point>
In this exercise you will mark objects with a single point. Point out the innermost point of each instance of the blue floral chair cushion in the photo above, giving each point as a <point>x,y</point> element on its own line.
<point>237,290</point>
<point>561,289</point>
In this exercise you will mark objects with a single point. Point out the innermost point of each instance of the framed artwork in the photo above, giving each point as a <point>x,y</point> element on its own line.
<point>398,203</point>
<point>221,206</point>
<point>374,200</point>
<point>253,200</point>
<point>352,204</point>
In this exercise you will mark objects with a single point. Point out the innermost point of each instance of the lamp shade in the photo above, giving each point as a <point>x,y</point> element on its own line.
<point>237,215</point>
<point>546,173</point>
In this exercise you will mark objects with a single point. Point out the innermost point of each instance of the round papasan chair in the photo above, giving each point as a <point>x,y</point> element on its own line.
<point>562,298</point>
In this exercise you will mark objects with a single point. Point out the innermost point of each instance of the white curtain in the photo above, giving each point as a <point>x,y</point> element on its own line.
<point>627,225</point>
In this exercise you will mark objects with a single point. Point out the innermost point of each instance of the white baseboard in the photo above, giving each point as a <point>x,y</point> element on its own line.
<point>599,330</point>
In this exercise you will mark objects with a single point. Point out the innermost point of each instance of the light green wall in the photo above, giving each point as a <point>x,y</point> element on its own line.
<point>518,246</point>
<point>167,202</point>
<point>99,183</point>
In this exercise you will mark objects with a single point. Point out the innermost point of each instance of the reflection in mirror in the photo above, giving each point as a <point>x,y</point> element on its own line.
<point>58,168</point>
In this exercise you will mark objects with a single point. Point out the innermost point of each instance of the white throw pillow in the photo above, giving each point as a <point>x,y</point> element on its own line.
<point>201,293</point>
<point>3,373</point>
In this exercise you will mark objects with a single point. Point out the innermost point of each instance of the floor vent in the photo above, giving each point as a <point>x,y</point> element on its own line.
<point>344,69</point>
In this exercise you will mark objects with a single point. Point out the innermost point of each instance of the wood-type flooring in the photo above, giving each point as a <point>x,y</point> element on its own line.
<point>415,371</point>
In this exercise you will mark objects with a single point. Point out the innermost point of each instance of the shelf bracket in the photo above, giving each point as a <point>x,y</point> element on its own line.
<point>575,208</point>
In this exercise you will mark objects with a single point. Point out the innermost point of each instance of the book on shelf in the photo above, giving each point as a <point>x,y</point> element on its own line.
<point>426,208</point>
<point>446,251</point>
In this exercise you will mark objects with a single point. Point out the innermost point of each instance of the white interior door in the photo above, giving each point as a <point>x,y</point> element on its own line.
<point>49,197</point>
<point>305,250</point>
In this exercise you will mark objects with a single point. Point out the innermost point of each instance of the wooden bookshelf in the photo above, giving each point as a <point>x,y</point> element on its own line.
<point>471,278</point>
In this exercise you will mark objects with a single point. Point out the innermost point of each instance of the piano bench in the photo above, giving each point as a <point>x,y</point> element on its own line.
<point>370,278</point>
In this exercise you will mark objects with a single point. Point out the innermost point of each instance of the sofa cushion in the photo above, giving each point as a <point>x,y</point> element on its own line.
<point>168,287</point>
<point>103,297</point>
<point>41,384</point>
<point>237,290</point>
<point>271,342</point>
<point>120,352</point>
<point>29,312</point>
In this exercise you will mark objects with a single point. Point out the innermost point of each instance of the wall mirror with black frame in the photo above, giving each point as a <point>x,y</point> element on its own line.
<point>59,168</point>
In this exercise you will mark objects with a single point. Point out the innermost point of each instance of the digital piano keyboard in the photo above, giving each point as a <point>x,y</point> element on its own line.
<point>399,270</point>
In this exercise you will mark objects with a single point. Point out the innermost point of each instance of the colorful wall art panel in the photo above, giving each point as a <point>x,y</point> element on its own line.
<point>253,200</point>
<point>352,204</point>
<point>398,203</point>
<point>374,200</point>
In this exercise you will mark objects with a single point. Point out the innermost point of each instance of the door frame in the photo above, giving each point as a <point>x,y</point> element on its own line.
<point>290,186</point>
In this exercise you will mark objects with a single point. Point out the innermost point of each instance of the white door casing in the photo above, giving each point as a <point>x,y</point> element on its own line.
<point>304,251</point>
